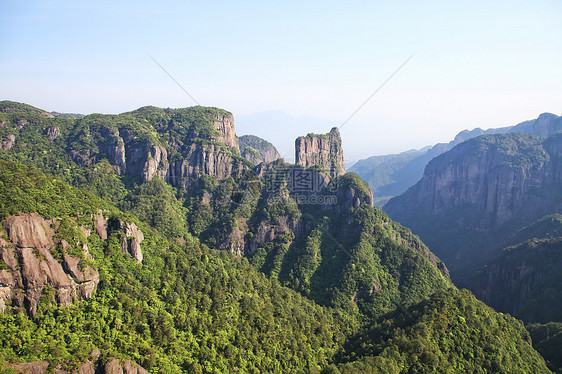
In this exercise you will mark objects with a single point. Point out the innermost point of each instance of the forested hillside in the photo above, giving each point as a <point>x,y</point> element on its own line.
<point>313,280</point>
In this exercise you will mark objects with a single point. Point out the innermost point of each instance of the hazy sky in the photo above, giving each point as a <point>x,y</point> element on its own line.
<point>476,63</point>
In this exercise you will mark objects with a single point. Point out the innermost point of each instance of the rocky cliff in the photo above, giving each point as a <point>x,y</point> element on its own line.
<point>113,366</point>
<point>36,256</point>
<point>498,177</point>
<point>392,175</point>
<point>472,197</point>
<point>257,150</point>
<point>178,146</point>
<point>324,151</point>
<point>30,267</point>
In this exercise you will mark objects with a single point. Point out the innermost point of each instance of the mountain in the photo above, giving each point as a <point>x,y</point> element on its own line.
<point>257,150</point>
<point>392,175</point>
<point>185,308</point>
<point>308,268</point>
<point>473,197</point>
<point>524,281</point>
<point>281,128</point>
<point>385,174</point>
<point>547,339</point>
<point>190,309</point>
<point>316,233</point>
<point>323,150</point>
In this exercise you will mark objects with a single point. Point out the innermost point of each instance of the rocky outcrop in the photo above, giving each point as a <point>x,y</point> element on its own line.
<point>33,258</point>
<point>114,366</point>
<point>224,124</point>
<point>199,160</point>
<point>123,367</point>
<point>257,150</point>
<point>131,240</point>
<point>324,151</point>
<point>392,175</point>
<point>53,133</point>
<point>208,146</point>
<point>30,266</point>
<point>8,143</point>
<point>114,148</point>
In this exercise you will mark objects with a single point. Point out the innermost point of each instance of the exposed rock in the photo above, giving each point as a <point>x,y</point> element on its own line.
<point>473,197</point>
<point>53,133</point>
<point>224,124</point>
<point>323,150</point>
<point>142,153</point>
<point>127,367</point>
<point>391,175</point>
<point>114,147</point>
<point>131,240</point>
<point>9,142</point>
<point>32,267</point>
<point>198,160</point>
<point>268,231</point>
<point>100,225</point>
<point>156,163</point>
<point>31,367</point>
<point>496,175</point>
<point>112,367</point>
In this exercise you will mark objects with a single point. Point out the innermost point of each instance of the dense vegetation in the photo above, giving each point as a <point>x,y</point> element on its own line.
<point>524,280</point>
<point>443,333</point>
<point>354,258</point>
<point>362,285</point>
<point>186,308</point>
<point>547,339</point>
<point>256,149</point>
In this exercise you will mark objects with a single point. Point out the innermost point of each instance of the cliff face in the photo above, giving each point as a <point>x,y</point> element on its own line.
<point>497,177</point>
<point>30,265</point>
<point>392,175</point>
<point>472,197</point>
<point>34,256</point>
<point>178,146</point>
<point>323,150</point>
<point>257,150</point>
<point>114,366</point>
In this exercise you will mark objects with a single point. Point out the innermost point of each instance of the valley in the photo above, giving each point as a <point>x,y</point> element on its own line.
<point>159,239</point>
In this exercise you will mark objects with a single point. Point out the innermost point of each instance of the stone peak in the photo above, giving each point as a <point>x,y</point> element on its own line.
<point>323,150</point>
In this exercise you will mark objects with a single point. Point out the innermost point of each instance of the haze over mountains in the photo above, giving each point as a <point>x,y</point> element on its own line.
<point>306,274</point>
<point>391,175</point>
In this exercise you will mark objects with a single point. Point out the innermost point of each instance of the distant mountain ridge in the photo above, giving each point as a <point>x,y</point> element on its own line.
<point>474,196</point>
<point>281,129</point>
<point>392,175</point>
<point>313,278</point>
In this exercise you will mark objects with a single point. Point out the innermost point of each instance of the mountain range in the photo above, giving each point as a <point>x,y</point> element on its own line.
<point>392,175</point>
<point>490,208</point>
<point>146,241</point>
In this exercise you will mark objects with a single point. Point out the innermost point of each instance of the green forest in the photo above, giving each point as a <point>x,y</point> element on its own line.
<point>330,289</point>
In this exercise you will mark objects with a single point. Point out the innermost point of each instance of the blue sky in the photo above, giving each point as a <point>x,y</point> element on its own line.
<point>476,63</point>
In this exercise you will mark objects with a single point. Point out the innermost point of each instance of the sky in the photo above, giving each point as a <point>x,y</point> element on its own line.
<point>473,63</point>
